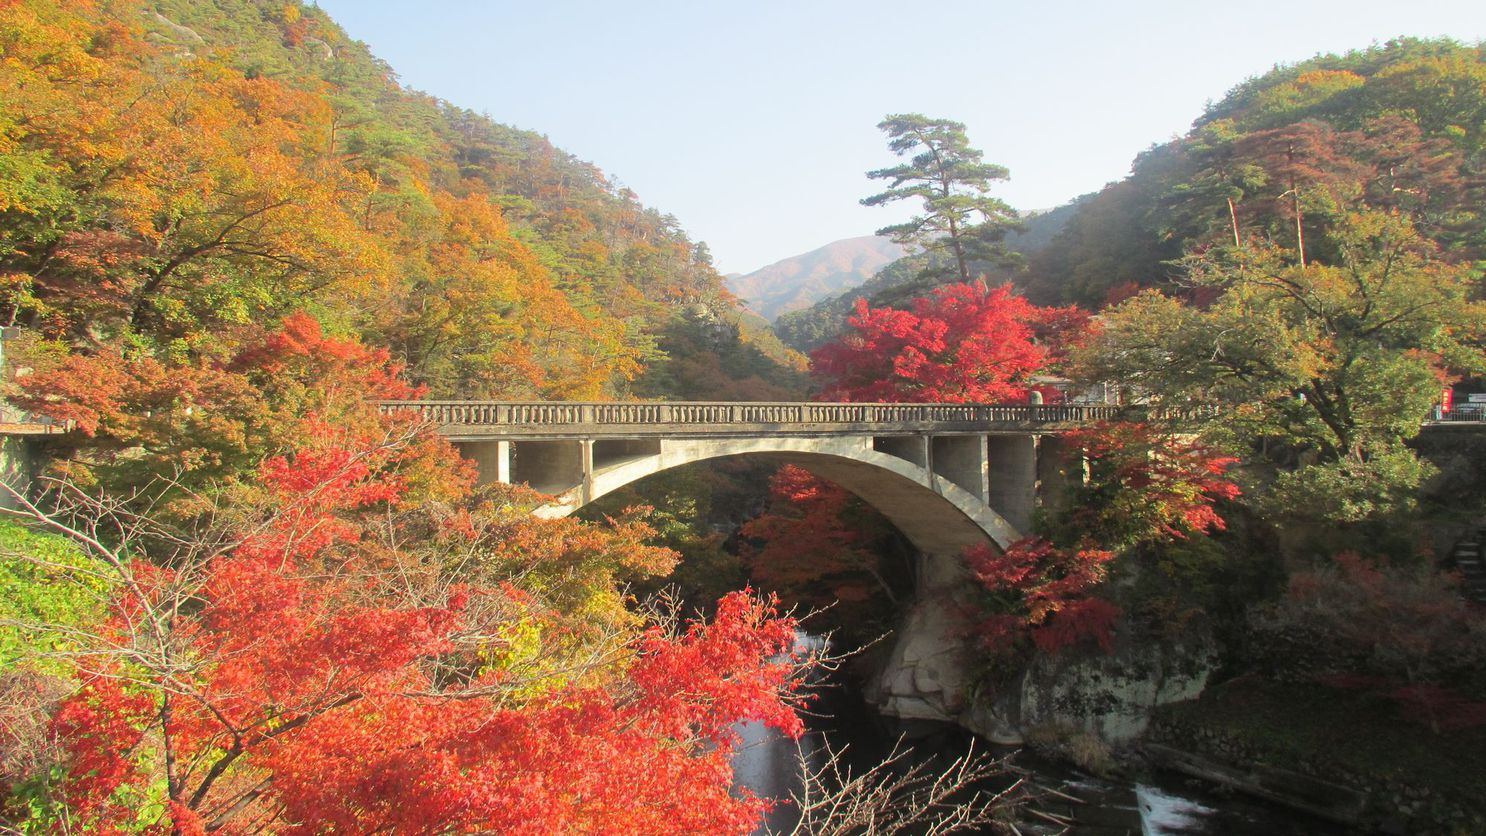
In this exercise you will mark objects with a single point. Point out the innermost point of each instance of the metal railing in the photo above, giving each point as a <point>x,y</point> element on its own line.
<point>1473,414</point>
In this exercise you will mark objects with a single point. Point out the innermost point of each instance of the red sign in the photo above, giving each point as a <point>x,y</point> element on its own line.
<point>1447,400</point>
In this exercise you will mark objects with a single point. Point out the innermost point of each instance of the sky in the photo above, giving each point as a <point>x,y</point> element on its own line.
<point>754,121</point>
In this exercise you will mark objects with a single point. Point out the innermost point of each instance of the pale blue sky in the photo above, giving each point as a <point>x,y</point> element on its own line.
<point>753,122</point>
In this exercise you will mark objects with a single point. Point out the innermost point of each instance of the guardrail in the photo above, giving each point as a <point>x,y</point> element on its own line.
<point>1460,415</point>
<point>498,417</point>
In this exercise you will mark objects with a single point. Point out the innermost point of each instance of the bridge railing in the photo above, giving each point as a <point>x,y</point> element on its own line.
<point>499,416</point>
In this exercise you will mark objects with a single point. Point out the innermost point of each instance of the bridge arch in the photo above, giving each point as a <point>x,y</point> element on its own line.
<point>937,515</point>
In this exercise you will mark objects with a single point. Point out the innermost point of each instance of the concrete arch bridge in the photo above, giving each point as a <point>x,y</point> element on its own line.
<point>947,475</point>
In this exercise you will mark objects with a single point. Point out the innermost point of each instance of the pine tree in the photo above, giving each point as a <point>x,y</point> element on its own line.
<point>961,220</point>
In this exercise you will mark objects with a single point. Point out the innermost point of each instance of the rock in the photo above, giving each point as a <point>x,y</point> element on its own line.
<point>1114,695</point>
<point>926,675</point>
<point>984,721</point>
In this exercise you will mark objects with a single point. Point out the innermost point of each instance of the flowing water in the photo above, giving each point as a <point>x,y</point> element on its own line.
<point>1155,805</point>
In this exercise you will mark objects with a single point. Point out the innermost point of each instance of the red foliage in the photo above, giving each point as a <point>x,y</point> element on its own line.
<point>817,546</point>
<point>706,679</point>
<point>1146,484</point>
<point>1403,632</point>
<point>301,350</point>
<point>211,418</point>
<point>964,343</point>
<point>1045,594</point>
<point>802,534</point>
<point>101,727</point>
<point>308,700</point>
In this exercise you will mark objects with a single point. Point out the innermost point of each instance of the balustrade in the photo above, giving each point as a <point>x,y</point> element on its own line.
<point>804,416</point>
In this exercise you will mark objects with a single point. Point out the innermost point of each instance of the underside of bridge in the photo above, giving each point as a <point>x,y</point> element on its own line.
<point>944,492</point>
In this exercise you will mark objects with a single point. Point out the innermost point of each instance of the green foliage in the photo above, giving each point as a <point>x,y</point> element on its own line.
<point>714,353</point>
<point>1385,484</point>
<point>45,581</point>
<point>1328,367</point>
<point>960,217</point>
<point>1397,126</point>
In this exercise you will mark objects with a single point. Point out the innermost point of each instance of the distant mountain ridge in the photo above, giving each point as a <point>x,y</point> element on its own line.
<point>808,328</point>
<point>800,281</point>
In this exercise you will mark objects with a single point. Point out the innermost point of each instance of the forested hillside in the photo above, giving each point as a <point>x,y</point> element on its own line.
<point>1400,126</point>
<point>200,169</point>
<point>239,597</point>
<point>799,281</point>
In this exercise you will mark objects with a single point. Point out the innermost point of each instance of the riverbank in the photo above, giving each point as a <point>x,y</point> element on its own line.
<point>1122,802</point>
<point>1404,778</point>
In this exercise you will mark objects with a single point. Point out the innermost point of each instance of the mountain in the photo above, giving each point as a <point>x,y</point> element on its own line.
<point>797,282</point>
<point>809,327</point>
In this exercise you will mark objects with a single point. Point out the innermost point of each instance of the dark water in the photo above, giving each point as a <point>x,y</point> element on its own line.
<point>1155,805</point>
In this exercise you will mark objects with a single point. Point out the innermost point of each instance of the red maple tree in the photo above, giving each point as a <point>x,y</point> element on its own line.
<point>1044,594</point>
<point>1147,484</point>
<point>286,682</point>
<point>817,546</point>
<point>964,343</point>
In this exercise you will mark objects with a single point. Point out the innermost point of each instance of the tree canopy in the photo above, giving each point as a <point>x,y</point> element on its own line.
<point>960,218</point>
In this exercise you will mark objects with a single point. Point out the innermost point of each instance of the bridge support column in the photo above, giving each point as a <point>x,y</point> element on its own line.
<point>492,460</point>
<point>926,676</point>
<point>913,449</point>
<point>1060,465</point>
<point>553,467</point>
<point>585,455</point>
<point>962,459</point>
<point>1013,493</point>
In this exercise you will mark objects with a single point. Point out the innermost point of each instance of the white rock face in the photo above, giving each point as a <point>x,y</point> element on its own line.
<point>925,678</point>
<point>1113,696</point>
<point>927,675</point>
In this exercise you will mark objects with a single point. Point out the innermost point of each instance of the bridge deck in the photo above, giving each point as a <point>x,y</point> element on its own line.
<point>690,419</point>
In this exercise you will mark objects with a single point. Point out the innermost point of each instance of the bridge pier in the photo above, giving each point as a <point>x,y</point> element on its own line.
<point>1013,493</point>
<point>492,460</point>
<point>1060,464</point>
<point>962,459</point>
<point>913,449</point>
<point>926,675</point>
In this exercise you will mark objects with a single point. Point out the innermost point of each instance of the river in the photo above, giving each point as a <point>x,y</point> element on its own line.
<point>1159,804</point>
